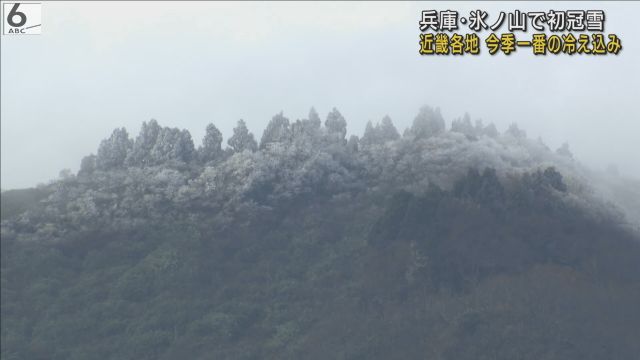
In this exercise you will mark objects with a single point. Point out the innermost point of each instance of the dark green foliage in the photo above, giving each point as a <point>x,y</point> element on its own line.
<point>492,269</point>
<point>485,189</point>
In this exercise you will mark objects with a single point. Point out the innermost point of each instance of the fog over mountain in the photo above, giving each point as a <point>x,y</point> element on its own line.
<point>169,192</point>
<point>98,66</point>
<point>435,241</point>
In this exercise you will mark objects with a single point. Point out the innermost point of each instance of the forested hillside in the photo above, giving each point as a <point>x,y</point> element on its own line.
<point>443,242</point>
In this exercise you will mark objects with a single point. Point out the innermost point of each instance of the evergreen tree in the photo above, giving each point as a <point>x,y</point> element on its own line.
<point>141,153</point>
<point>388,131</point>
<point>564,151</point>
<point>242,139</point>
<point>113,151</point>
<point>490,131</point>
<point>87,165</point>
<point>515,131</point>
<point>314,118</point>
<point>336,125</point>
<point>353,144</point>
<point>277,131</point>
<point>427,123</point>
<point>463,125</point>
<point>211,148</point>
<point>172,144</point>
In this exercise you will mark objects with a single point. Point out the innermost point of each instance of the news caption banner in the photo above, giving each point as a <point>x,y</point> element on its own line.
<point>570,32</point>
<point>21,18</point>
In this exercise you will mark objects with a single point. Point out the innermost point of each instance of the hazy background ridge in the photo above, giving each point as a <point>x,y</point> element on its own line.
<point>98,66</point>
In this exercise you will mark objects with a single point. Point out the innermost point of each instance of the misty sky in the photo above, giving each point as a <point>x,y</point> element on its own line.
<point>98,66</point>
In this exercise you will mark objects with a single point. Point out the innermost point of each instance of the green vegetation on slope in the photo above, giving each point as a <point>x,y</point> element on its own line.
<point>16,202</point>
<point>487,270</point>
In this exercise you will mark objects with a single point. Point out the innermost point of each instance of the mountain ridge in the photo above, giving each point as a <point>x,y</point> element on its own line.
<point>458,243</point>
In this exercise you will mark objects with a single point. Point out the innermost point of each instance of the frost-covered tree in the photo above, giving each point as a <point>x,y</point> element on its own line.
<point>515,131</point>
<point>353,144</point>
<point>301,129</point>
<point>380,133</point>
<point>336,125</point>
<point>427,123</point>
<point>186,149</point>
<point>242,139</point>
<point>113,151</point>
<point>313,160</point>
<point>172,144</point>
<point>388,131</point>
<point>141,153</point>
<point>87,165</point>
<point>463,126</point>
<point>314,118</point>
<point>370,135</point>
<point>564,151</point>
<point>307,130</point>
<point>65,174</point>
<point>490,131</point>
<point>211,148</point>
<point>277,131</point>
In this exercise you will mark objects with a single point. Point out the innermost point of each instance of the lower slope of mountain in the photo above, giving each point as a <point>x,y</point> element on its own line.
<point>434,245</point>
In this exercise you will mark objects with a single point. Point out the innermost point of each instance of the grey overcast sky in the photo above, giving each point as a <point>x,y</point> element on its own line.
<point>101,65</point>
